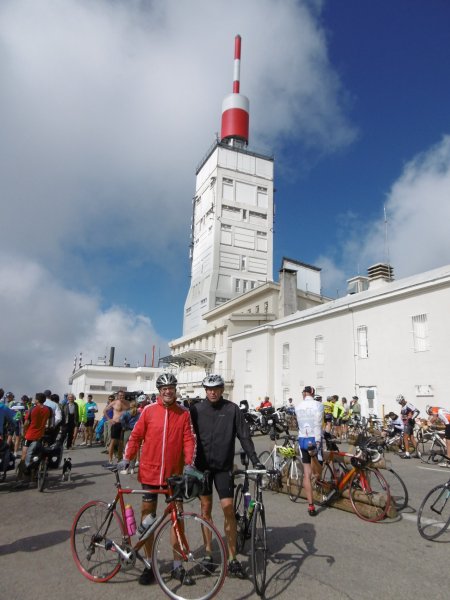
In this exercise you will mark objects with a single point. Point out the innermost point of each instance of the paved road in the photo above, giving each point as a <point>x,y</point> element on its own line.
<point>330,557</point>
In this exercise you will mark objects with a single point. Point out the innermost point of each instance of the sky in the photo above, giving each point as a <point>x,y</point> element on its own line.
<point>108,106</point>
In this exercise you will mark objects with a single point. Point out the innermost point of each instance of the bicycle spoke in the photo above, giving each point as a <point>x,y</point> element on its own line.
<point>188,550</point>
<point>93,532</point>
<point>433,518</point>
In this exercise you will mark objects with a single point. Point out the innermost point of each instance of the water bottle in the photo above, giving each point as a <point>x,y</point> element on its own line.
<point>130,520</point>
<point>145,526</point>
<point>251,507</point>
<point>247,498</point>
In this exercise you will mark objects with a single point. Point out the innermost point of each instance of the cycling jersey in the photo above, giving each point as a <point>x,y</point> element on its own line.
<point>327,407</point>
<point>38,417</point>
<point>217,425</point>
<point>169,442</point>
<point>309,414</point>
<point>409,411</point>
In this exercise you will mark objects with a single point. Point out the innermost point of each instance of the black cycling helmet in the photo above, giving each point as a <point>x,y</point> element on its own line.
<point>166,379</point>
<point>213,381</point>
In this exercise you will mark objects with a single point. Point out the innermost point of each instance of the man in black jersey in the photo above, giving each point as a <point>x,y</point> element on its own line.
<point>217,423</point>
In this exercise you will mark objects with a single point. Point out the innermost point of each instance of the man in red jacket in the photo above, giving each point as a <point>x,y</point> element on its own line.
<point>168,444</point>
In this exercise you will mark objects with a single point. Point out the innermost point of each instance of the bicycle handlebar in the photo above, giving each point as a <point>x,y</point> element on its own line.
<point>255,472</point>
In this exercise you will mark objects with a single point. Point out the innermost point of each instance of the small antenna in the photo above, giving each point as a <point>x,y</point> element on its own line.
<point>386,237</point>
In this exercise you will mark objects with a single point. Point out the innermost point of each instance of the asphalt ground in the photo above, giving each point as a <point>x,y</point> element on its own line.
<point>332,556</point>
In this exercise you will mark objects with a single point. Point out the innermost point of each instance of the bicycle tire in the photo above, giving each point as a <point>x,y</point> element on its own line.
<point>433,518</point>
<point>207,579</point>
<point>93,529</point>
<point>258,557</point>
<point>241,518</point>
<point>42,474</point>
<point>325,485</point>
<point>294,480</point>
<point>397,489</point>
<point>374,483</point>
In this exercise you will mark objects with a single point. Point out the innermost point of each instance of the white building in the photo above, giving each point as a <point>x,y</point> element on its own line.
<point>390,339</point>
<point>208,348</point>
<point>101,380</point>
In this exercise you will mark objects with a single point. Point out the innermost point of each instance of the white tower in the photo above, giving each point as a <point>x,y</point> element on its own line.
<point>232,214</point>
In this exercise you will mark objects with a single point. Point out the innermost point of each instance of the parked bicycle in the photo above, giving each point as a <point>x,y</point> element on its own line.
<point>101,542</point>
<point>282,462</point>
<point>431,445</point>
<point>397,487</point>
<point>433,518</point>
<point>365,484</point>
<point>251,522</point>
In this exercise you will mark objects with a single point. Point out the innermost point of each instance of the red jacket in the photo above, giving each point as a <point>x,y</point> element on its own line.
<point>169,442</point>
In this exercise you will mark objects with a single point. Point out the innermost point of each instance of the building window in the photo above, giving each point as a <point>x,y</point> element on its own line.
<point>243,263</point>
<point>286,356</point>
<point>286,395</point>
<point>248,393</point>
<point>361,336</point>
<point>319,351</point>
<point>248,360</point>
<point>420,333</point>
<point>220,367</point>
<point>237,285</point>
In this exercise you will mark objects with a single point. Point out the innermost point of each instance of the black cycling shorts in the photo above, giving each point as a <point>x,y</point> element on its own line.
<point>116,431</point>
<point>151,497</point>
<point>328,417</point>
<point>223,482</point>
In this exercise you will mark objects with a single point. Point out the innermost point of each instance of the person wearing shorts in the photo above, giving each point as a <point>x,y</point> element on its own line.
<point>165,437</point>
<point>310,415</point>
<point>217,423</point>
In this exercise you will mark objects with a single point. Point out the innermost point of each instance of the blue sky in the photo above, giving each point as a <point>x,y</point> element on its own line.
<point>107,108</point>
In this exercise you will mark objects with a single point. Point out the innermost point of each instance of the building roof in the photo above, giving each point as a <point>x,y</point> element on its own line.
<point>202,358</point>
<point>390,289</point>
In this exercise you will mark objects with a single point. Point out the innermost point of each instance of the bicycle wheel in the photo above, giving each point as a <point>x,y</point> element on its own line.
<point>258,558</point>
<point>42,474</point>
<point>433,518</point>
<point>397,489</point>
<point>424,447</point>
<point>324,486</point>
<point>369,495</point>
<point>294,481</point>
<point>187,545</point>
<point>241,518</point>
<point>93,531</point>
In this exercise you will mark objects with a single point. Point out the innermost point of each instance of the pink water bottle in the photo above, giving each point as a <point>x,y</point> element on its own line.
<point>130,520</point>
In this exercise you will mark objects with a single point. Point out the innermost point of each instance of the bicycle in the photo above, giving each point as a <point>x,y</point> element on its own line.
<point>397,487</point>
<point>431,446</point>
<point>251,522</point>
<point>365,484</point>
<point>433,518</point>
<point>283,460</point>
<point>101,544</point>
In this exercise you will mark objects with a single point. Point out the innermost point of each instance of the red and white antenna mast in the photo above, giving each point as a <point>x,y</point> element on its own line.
<point>235,107</point>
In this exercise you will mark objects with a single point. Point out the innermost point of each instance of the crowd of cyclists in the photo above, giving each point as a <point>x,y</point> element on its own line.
<point>127,428</point>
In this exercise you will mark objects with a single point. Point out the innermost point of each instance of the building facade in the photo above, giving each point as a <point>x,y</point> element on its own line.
<point>388,340</point>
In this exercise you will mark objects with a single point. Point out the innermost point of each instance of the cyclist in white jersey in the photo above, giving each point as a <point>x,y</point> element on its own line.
<point>309,415</point>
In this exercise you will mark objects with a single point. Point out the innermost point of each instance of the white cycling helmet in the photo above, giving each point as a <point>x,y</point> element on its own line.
<point>213,381</point>
<point>400,399</point>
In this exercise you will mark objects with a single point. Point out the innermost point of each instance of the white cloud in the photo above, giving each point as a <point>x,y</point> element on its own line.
<point>45,325</point>
<point>106,109</point>
<point>418,213</point>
